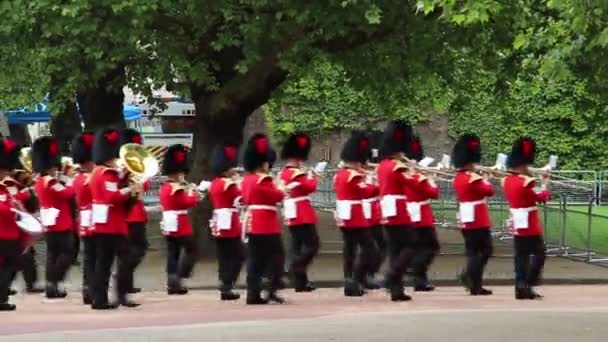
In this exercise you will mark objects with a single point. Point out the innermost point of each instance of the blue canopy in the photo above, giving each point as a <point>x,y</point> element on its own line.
<point>40,113</point>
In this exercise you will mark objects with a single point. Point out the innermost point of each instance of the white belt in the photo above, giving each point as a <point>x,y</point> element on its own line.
<point>350,202</point>
<point>298,199</point>
<point>396,197</point>
<point>527,210</point>
<point>474,202</point>
<point>176,212</point>
<point>234,210</point>
<point>261,207</point>
<point>371,200</point>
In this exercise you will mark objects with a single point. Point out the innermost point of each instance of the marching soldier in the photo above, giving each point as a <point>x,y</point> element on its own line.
<point>352,188</point>
<point>520,191</point>
<point>10,234</point>
<point>393,179</point>
<point>136,219</point>
<point>225,193</point>
<point>19,186</point>
<point>109,226</point>
<point>176,197</point>
<point>473,214</point>
<point>261,196</point>
<point>55,213</point>
<point>421,214</point>
<point>376,223</point>
<point>298,212</point>
<point>82,147</point>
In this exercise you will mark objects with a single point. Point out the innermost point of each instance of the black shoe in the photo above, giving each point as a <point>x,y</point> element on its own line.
<point>353,289</point>
<point>179,291</point>
<point>229,295</point>
<point>104,306</point>
<point>8,307</point>
<point>128,303</point>
<point>522,293</point>
<point>400,296</point>
<point>34,289</point>
<point>308,287</point>
<point>481,292</point>
<point>275,298</point>
<point>255,299</point>
<point>86,299</point>
<point>424,288</point>
<point>52,292</point>
<point>134,290</point>
<point>12,292</point>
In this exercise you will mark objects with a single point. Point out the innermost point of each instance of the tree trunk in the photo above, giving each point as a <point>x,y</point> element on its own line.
<point>65,126</point>
<point>101,106</point>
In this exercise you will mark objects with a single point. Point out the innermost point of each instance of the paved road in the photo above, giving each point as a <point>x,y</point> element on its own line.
<point>568,313</point>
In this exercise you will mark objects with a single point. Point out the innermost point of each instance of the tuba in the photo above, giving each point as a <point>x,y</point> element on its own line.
<point>25,159</point>
<point>140,164</point>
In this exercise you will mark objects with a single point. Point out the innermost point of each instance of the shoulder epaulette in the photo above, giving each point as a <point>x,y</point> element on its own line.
<point>352,174</point>
<point>474,177</point>
<point>399,165</point>
<point>422,178</point>
<point>175,187</point>
<point>527,180</point>
<point>47,179</point>
<point>262,177</point>
<point>297,173</point>
<point>228,183</point>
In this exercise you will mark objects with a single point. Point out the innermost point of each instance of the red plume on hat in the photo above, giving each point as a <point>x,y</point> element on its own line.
<point>357,148</point>
<point>9,154</point>
<point>297,146</point>
<point>223,158</point>
<point>257,152</point>
<point>111,136</point>
<point>8,145</point>
<point>175,160</point>
<point>45,154</point>
<point>82,148</point>
<point>87,140</point>
<point>467,150</point>
<point>230,152</point>
<point>396,137</point>
<point>523,152</point>
<point>106,145</point>
<point>415,149</point>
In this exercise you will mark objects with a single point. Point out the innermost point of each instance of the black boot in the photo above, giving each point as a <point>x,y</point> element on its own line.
<point>174,285</point>
<point>370,283</point>
<point>481,292</point>
<point>53,292</point>
<point>226,292</point>
<point>301,283</point>
<point>352,288</point>
<point>422,284</point>
<point>254,298</point>
<point>534,294</point>
<point>134,290</point>
<point>273,297</point>
<point>126,302</point>
<point>104,306</point>
<point>8,307</point>
<point>12,292</point>
<point>522,293</point>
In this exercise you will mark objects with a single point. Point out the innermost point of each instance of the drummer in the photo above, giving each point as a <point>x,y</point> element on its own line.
<point>9,231</point>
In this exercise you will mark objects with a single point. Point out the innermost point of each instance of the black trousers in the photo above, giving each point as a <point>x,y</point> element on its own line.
<point>9,259</point>
<point>380,240</point>
<point>76,246</point>
<point>59,254</point>
<point>88,264</point>
<point>427,248</point>
<point>138,246</point>
<point>360,253</point>
<point>529,260</point>
<point>401,251</point>
<point>28,267</point>
<point>109,247</point>
<point>180,264</point>
<point>304,247</point>
<point>266,258</point>
<point>478,248</point>
<point>230,258</point>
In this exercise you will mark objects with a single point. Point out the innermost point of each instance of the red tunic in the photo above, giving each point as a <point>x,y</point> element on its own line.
<point>84,202</point>
<point>351,189</point>
<point>418,201</point>
<point>519,192</point>
<point>393,181</point>
<point>108,197</point>
<point>8,226</point>
<point>175,201</point>
<point>473,189</point>
<point>304,186</point>
<point>138,212</point>
<point>224,193</point>
<point>261,197</point>
<point>53,196</point>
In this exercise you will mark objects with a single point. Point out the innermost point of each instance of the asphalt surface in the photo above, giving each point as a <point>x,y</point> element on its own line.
<point>567,313</point>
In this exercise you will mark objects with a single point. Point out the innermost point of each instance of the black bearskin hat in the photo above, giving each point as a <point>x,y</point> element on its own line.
<point>297,146</point>
<point>45,154</point>
<point>82,147</point>
<point>106,145</point>
<point>414,150</point>
<point>130,136</point>
<point>9,154</point>
<point>175,160</point>
<point>466,150</point>
<point>257,152</point>
<point>223,158</point>
<point>357,148</point>
<point>272,157</point>
<point>396,137</point>
<point>523,152</point>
